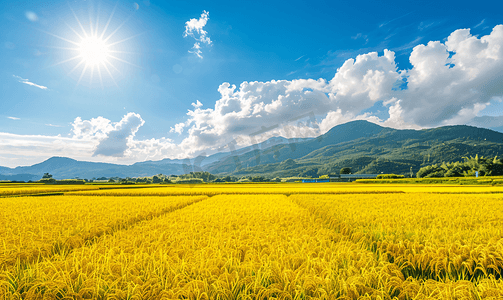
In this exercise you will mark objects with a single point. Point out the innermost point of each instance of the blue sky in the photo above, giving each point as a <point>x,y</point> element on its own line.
<point>160,98</point>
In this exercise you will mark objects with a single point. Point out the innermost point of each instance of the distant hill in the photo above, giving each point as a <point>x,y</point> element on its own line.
<point>363,146</point>
<point>366,148</point>
<point>202,161</point>
<point>65,168</point>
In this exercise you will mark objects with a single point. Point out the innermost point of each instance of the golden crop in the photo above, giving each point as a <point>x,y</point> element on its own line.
<point>32,189</point>
<point>34,227</point>
<point>288,189</point>
<point>454,237</point>
<point>333,243</point>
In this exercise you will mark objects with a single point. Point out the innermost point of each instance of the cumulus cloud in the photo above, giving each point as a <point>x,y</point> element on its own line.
<point>116,141</point>
<point>194,28</point>
<point>97,139</point>
<point>27,81</point>
<point>178,128</point>
<point>197,104</point>
<point>449,83</point>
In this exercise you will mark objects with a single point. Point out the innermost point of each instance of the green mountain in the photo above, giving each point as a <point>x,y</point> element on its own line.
<point>366,148</point>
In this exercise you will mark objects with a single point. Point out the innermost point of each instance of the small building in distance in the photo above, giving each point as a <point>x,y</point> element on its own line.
<point>350,177</point>
<point>314,180</point>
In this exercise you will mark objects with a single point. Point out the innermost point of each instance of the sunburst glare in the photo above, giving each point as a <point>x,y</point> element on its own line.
<point>94,49</point>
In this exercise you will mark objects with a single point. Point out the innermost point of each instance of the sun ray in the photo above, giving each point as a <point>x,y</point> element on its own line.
<point>126,39</point>
<point>111,76</point>
<point>99,75</point>
<point>74,31</point>
<point>124,61</point>
<point>108,22</point>
<point>97,21</point>
<point>66,60</point>
<point>123,52</point>
<point>62,48</point>
<point>78,21</point>
<point>122,24</point>
<point>92,74</point>
<point>71,71</point>
<point>82,74</point>
<point>112,65</point>
<point>57,36</point>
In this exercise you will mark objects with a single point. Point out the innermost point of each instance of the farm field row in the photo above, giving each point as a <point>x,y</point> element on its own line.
<point>447,237</point>
<point>292,188</point>
<point>7,190</point>
<point>413,245</point>
<point>34,227</point>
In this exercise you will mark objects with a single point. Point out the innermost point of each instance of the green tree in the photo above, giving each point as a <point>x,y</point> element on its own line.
<point>46,175</point>
<point>345,170</point>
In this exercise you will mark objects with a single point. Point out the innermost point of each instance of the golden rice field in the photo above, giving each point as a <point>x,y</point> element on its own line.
<point>262,241</point>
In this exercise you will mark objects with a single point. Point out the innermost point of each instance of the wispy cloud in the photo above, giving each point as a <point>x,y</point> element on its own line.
<point>13,118</point>
<point>52,125</point>
<point>299,58</point>
<point>194,28</point>
<point>387,22</point>
<point>480,24</point>
<point>28,82</point>
<point>362,36</point>
<point>409,45</point>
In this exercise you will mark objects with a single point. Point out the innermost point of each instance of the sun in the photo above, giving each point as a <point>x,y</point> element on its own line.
<point>95,48</point>
<point>93,51</point>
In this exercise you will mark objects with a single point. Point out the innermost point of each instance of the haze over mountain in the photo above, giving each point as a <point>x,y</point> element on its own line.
<point>64,168</point>
<point>361,145</point>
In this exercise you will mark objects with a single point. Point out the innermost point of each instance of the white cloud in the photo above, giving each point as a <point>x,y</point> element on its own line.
<point>36,148</point>
<point>443,90</point>
<point>26,81</point>
<point>13,118</point>
<point>197,104</point>
<point>97,139</point>
<point>117,141</point>
<point>194,28</point>
<point>449,83</point>
<point>94,129</point>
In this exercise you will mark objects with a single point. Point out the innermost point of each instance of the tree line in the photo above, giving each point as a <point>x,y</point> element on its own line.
<point>485,166</point>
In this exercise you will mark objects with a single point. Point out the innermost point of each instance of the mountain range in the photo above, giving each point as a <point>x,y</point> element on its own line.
<point>363,146</point>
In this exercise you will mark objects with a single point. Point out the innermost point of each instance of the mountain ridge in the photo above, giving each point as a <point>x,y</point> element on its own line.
<point>364,146</point>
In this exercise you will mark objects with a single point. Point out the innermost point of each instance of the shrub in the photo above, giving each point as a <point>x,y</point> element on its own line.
<point>390,176</point>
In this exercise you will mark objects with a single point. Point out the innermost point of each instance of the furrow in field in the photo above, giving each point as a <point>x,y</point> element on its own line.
<point>227,247</point>
<point>430,237</point>
<point>35,227</point>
